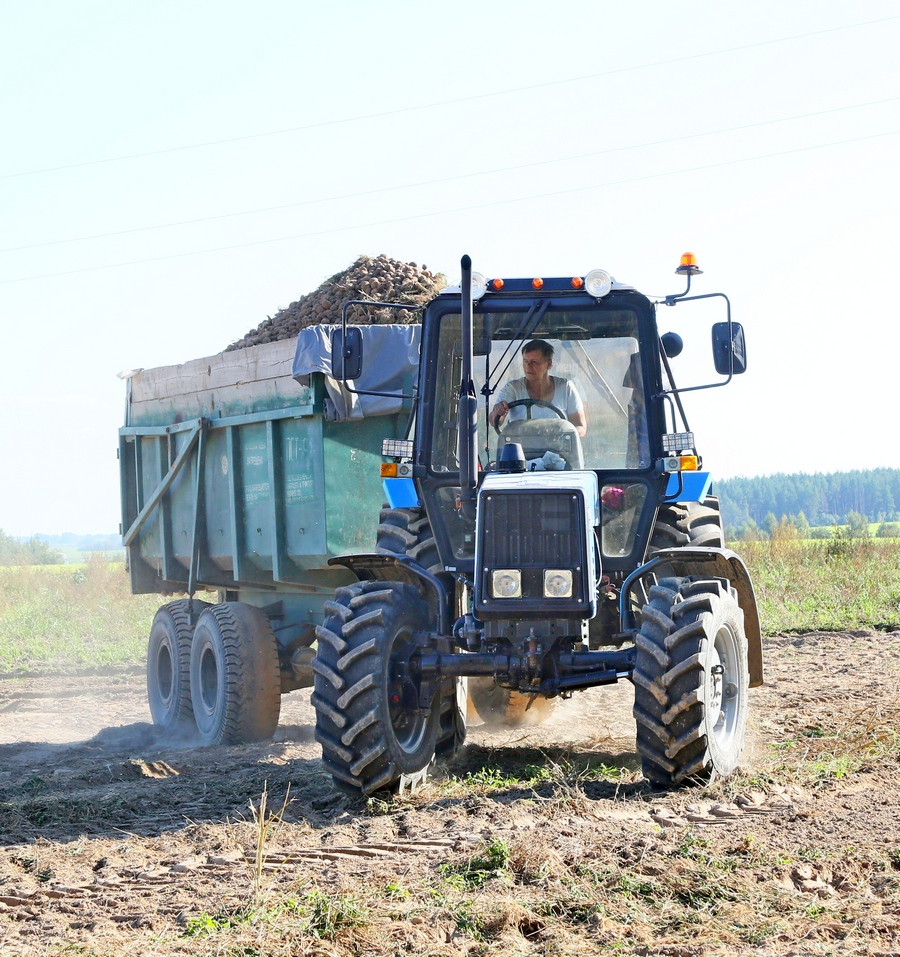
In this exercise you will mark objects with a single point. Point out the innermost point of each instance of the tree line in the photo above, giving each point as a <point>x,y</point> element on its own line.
<point>30,551</point>
<point>853,499</point>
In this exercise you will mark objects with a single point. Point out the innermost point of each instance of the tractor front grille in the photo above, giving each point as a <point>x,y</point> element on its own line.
<point>532,529</point>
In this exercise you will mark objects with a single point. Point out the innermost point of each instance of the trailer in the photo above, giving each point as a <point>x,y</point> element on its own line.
<point>244,474</point>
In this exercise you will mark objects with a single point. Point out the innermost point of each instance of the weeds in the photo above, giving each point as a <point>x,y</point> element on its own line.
<point>54,617</point>
<point>315,914</point>
<point>326,914</point>
<point>832,585</point>
<point>265,826</point>
<point>489,864</point>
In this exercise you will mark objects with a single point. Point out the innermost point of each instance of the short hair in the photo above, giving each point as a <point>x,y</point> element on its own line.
<point>538,345</point>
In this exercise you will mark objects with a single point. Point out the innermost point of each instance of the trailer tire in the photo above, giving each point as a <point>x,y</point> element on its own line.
<point>169,665</point>
<point>235,676</point>
<point>504,708</point>
<point>691,682</point>
<point>366,720</point>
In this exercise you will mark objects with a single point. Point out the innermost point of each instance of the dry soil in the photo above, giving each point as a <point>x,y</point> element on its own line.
<point>117,841</point>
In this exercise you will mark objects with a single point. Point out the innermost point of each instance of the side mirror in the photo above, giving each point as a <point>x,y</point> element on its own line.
<point>729,354</point>
<point>346,355</point>
<point>672,344</point>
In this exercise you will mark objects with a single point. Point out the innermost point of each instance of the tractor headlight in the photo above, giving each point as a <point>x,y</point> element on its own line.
<point>557,583</point>
<point>506,583</point>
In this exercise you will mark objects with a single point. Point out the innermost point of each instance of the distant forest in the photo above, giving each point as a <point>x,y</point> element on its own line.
<point>839,498</point>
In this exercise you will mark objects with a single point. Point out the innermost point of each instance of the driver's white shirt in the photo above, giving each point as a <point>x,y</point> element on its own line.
<point>565,398</point>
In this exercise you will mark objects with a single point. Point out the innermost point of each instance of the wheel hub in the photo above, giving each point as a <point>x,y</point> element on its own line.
<point>724,703</point>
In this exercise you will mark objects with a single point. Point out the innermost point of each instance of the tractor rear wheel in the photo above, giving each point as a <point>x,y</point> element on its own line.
<point>688,523</point>
<point>235,675</point>
<point>169,664</point>
<point>407,531</point>
<point>691,682</point>
<point>373,729</point>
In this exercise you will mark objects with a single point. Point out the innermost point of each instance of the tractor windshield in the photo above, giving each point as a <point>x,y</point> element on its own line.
<point>566,385</point>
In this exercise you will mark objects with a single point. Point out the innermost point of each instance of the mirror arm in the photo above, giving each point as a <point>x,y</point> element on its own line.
<point>674,300</point>
<point>674,394</point>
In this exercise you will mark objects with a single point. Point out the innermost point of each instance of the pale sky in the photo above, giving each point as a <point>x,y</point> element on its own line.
<point>172,173</point>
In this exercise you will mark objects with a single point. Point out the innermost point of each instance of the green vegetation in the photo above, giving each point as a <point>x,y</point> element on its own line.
<point>69,616</point>
<point>833,585</point>
<point>80,616</point>
<point>491,863</point>
<point>316,913</point>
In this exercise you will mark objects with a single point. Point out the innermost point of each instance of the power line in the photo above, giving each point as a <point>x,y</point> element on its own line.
<point>447,179</point>
<point>450,102</point>
<point>456,209</point>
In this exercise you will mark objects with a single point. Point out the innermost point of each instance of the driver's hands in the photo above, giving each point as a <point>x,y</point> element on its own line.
<point>499,412</point>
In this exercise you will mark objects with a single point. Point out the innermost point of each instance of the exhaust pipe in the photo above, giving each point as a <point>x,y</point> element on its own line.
<point>468,402</point>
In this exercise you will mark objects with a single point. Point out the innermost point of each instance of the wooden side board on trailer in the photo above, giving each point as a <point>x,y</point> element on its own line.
<point>239,382</point>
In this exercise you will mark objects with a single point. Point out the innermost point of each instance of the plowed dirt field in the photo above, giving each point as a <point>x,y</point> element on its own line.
<point>537,841</point>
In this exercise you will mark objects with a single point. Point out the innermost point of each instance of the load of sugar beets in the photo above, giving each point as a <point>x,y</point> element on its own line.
<point>378,278</point>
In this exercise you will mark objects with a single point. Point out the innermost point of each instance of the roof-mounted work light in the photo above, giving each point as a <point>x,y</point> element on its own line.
<point>598,282</point>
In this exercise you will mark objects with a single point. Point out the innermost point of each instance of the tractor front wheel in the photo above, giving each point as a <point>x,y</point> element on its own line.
<point>691,682</point>
<point>372,726</point>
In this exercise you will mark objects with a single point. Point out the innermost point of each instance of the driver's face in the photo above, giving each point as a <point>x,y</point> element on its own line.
<point>535,365</point>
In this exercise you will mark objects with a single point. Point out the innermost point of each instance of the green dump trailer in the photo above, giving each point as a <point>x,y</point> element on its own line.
<point>242,474</point>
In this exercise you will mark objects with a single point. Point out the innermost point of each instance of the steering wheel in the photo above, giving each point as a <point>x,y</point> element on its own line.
<point>529,404</point>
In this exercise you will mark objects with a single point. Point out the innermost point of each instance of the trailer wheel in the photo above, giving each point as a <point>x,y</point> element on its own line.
<point>369,720</point>
<point>169,664</point>
<point>503,708</point>
<point>235,677</point>
<point>691,682</point>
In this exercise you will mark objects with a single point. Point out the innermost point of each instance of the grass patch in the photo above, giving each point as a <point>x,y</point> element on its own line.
<point>867,738</point>
<point>316,914</point>
<point>839,585</point>
<point>67,617</point>
<point>488,864</point>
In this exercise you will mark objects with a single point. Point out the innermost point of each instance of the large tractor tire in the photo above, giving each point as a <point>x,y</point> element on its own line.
<point>235,676</point>
<point>502,708</point>
<point>691,682</point>
<point>169,664</point>
<point>407,531</point>
<point>679,524</point>
<point>688,523</point>
<point>368,717</point>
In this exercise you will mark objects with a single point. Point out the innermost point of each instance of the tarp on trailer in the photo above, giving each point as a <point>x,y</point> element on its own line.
<point>390,364</point>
